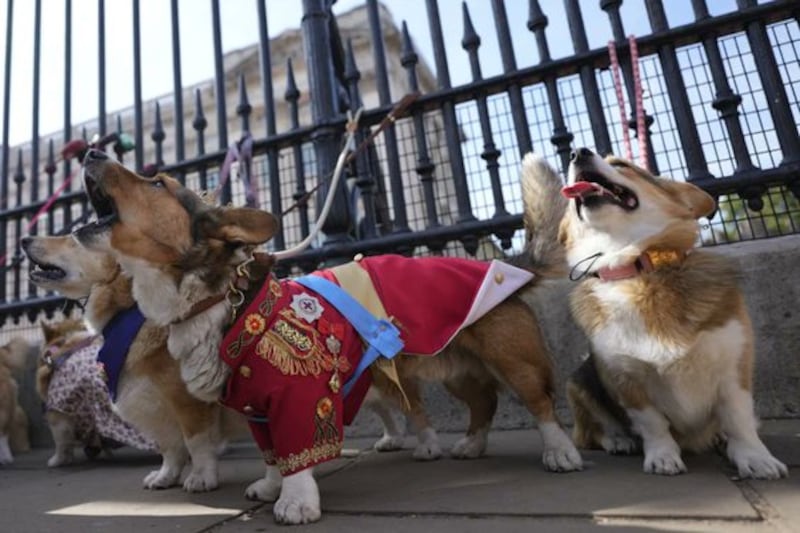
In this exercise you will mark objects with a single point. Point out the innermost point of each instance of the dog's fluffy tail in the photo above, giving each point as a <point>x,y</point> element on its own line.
<point>543,207</point>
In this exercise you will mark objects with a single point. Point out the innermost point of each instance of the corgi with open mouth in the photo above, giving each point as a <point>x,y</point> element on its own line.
<point>672,348</point>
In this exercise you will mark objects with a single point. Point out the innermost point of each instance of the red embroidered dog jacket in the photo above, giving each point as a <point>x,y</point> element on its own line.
<point>291,350</point>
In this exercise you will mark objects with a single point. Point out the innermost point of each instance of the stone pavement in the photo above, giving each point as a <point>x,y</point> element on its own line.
<point>506,491</point>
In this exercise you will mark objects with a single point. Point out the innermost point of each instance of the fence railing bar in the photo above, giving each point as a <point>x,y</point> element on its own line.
<point>177,84</point>
<point>199,124</point>
<point>243,107</point>
<point>725,101</point>
<point>158,137</point>
<point>679,100</point>
<point>425,166</point>
<point>430,238</point>
<point>50,169</point>
<point>219,93</point>
<point>561,137</point>
<point>778,102</point>
<point>292,95</point>
<point>67,124</point>
<point>34,157</point>
<point>16,259</point>
<point>101,60</point>
<point>37,67</point>
<point>364,179</point>
<point>586,72</point>
<point>323,92</point>
<point>137,88</point>
<point>265,57</point>
<point>400,222</point>
<point>4,147</point>
<point>471,41</point>
<point>518,115</point>
<point>451,127</point>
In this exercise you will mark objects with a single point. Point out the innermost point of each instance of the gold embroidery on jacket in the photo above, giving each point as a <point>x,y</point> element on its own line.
<point>253,323</point>
<point>325,429</point>
<point>309,456</point>
<point>327,440</point>
<point>295,348</point>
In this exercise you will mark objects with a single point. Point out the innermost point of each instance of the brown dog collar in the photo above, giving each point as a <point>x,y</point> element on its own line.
<point>240,289</point>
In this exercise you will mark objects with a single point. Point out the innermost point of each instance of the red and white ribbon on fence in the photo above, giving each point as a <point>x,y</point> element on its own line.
<point>641,126</point>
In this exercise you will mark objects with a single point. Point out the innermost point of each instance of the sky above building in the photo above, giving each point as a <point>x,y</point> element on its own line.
<point>240,29</point>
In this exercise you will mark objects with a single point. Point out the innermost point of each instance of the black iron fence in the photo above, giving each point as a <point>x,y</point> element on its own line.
<point>722,107</point>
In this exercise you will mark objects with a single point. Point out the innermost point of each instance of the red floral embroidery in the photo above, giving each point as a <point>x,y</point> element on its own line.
<point>254,324</point>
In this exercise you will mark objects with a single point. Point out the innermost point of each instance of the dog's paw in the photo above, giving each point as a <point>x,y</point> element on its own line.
<point>299,500</point>
<point>59,460</point>
<point>428,448</point>
<point>469,446</point>
<point>563,459</point>
<point>427,451</point>
<point>619,444</point>
<point>389,443</point>
<point>560,454</point>
<point>296,511</point>
<point>263,490</point>
<point>664,462</point>
<point>8,458</point>
<point>200,482</point>
<point>759,464</point>
<point>159,479</point>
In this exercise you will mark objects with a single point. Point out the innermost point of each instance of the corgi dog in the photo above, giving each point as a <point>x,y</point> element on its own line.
<point>72,387</point>
<point>671,343</point>
<point>150,393</point>
<point>289,352</point>
<point>13,420</point>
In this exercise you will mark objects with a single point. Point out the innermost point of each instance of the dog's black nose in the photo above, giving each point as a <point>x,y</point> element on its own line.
<point>25,242</point>
<point>581,154</point>
<point>95,155</point>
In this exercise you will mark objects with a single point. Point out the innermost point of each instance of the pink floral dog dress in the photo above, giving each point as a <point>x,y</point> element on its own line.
<point>78,389</point>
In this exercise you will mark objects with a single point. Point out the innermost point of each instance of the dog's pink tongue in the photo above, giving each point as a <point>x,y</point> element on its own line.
<point>581,189</point>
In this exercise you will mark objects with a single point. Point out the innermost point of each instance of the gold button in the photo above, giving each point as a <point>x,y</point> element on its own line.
<point>248,409</point>
<point>358,257</point>
<point>499,277</point>
<point>245,371</point>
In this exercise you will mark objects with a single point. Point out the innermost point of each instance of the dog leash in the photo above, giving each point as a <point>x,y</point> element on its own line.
<point>397,112</point>
<point>348,153</point>
<point>641,126</point>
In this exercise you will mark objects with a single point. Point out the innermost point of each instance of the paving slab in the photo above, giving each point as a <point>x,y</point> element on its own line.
<point>107,494</point>
<point>261,521</point>
<point>511,481</point>
<point>390,492</point>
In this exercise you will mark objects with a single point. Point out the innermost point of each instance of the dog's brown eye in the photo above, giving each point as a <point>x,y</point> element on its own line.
<point>157,184</point>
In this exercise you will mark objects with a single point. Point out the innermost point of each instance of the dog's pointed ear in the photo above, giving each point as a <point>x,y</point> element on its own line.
<point>236,225</point>
<point>696,199</point>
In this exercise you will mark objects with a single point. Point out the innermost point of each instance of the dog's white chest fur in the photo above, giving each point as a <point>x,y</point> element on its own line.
<point>682,377</point>
<point>624,332</point>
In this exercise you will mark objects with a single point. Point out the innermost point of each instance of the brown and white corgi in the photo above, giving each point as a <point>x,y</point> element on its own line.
<point>13,420</point>
<point>184,256</point>
<point>150,393</point>
<point>671,341</point>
